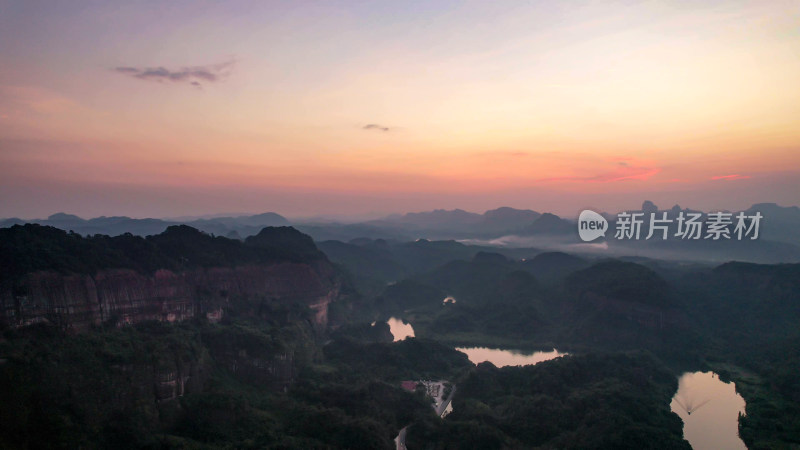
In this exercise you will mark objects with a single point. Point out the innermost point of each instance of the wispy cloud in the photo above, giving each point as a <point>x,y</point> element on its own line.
<point>510,154</point>
<point>734,176</point>
<point>192,75</point>
<point>623,173</point>
<point>376,127</point>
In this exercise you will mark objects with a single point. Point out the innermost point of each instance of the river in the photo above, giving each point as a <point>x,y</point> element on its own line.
<point>708,406</point>
<point>710,411</point>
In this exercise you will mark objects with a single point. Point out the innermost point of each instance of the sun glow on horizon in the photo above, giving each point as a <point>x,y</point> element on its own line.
<point>423,99</point>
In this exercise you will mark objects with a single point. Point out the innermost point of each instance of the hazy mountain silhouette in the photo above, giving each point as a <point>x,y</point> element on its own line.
<point>554,265</point>
<point>779,223</point>
<point>779,237</point>
<point>505,218</point>
<point>460,223</point>
<point>550,224</point>
<point>116,225</point>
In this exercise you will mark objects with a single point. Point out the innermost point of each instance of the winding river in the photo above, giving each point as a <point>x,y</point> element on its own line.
<point>710,411</point>
<point>708,406</point>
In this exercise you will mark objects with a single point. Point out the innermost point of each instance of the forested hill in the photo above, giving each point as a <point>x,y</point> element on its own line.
<point>51,276</point>
<point>30,247</point>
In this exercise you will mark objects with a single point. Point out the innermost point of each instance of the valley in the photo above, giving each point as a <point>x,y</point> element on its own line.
<point>187,340</point>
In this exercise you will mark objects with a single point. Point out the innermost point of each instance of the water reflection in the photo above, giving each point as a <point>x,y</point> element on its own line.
<point>710,411</point>
<point>502,358</point>
<point>400,329</point>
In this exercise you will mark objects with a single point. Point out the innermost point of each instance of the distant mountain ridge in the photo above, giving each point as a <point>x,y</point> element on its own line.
<point>779,225</point>
<point>550,224</point>
<point>501,219</point>
<point>778,236</point>
<point>116,225</point>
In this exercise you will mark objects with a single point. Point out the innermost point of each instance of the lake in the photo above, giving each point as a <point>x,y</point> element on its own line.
<point>400,329</point>
<point>710,411</point>
<point>502,358</point>
<point>708,406</point>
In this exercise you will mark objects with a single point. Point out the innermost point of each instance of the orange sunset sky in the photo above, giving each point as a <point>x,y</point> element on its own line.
<point>365,108</point>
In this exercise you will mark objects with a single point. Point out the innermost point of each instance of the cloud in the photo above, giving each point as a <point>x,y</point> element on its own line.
<point>193,75</point>
<point>511,154</point>
<point>734,176</point>
<point>623,173</point>
<point>501,154</point>
<point>376,127</point>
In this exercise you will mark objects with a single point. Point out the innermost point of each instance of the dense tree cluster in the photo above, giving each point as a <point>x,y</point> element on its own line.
<point>265,378</point>
<point>588,401</point>
<point>29,248</point>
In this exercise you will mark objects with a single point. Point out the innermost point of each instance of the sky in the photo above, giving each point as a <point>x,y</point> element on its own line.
<point>358,108</point>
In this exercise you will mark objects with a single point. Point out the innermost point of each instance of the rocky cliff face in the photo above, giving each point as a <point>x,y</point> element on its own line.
<point>74,302</point>
<point>48,275</point>
<point>106,386</point>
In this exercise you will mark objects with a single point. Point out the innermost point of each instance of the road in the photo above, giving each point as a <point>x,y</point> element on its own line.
<point>400,440</point>
<point>443,406</point>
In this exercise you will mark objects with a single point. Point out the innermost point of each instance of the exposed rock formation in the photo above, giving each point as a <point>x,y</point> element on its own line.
<point>279,266</point>
<point>125,296</point>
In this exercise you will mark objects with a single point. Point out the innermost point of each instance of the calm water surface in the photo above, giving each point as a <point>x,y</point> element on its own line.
<point>708,407</point>
<point>710,411</point>
<point>502,358</point>
<point>400,329</point>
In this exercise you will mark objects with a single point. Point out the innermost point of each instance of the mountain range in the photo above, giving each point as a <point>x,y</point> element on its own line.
<point>779,237</point>
<point>235,227</point>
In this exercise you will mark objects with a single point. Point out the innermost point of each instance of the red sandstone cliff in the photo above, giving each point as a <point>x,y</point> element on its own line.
<point>74,302</point>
